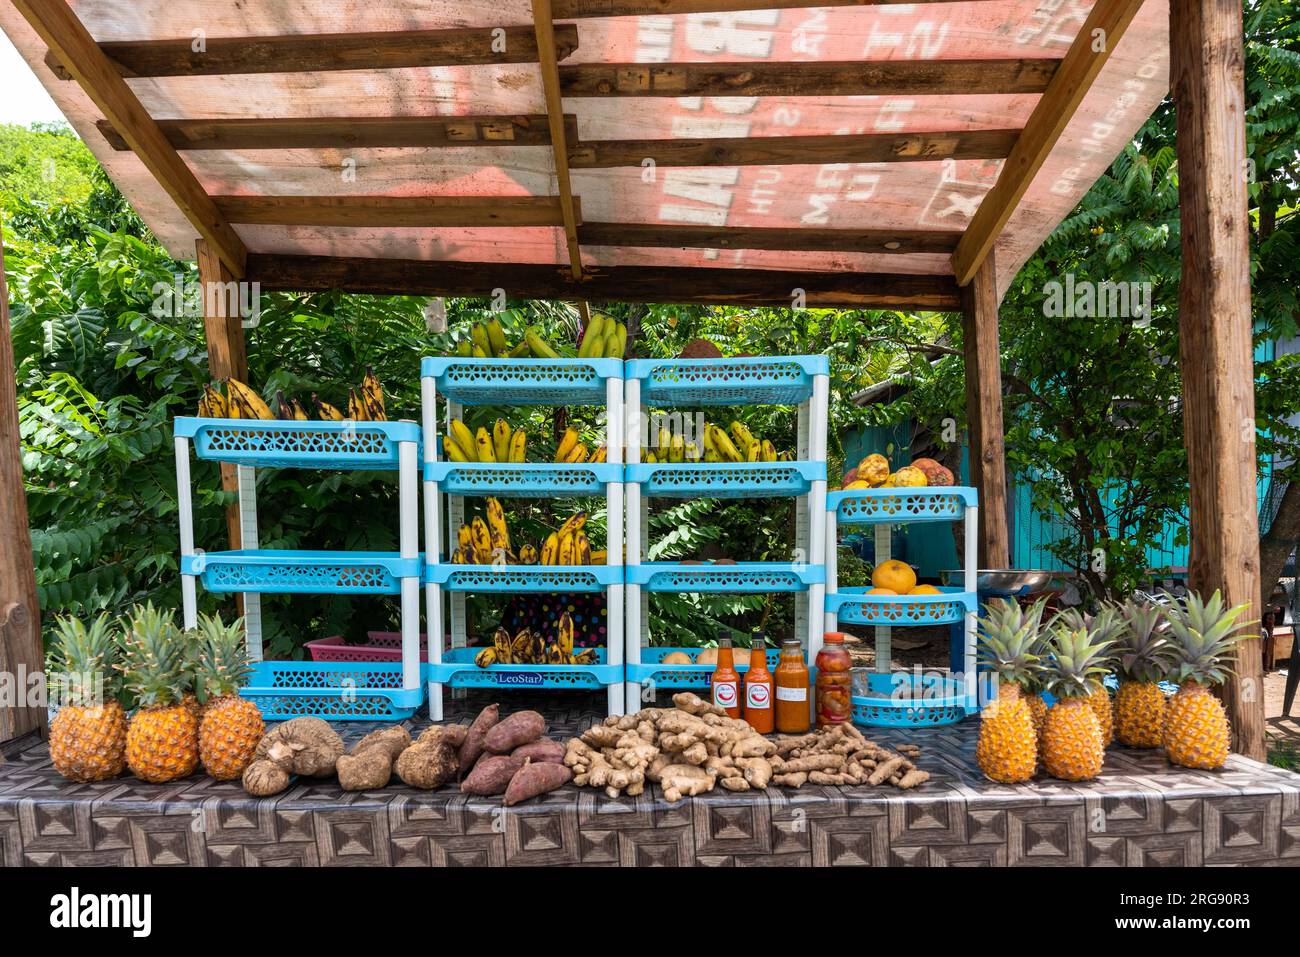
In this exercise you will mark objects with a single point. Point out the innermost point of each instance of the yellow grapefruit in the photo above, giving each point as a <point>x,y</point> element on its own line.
<point>895,575</point>
<point>880,591</point>
<point>925,590</point>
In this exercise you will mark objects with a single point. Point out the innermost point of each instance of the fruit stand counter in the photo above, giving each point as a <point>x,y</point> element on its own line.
<point>1141,811</point>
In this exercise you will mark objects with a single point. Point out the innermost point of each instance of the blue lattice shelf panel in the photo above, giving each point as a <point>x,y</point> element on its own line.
<point>335,691</point>
<point>733,578</point>
<point>853,606</point>
<point>302,572</point>
<point>523,578</point>
<point>522,381</point>
<point>262,443</point>
<point>522,480</point>
<point>726,479</point>
<point>653,670</point>
<point>782,380</point>
<point>874,506</point>
<point>906,700</point>
<point>459,671</point>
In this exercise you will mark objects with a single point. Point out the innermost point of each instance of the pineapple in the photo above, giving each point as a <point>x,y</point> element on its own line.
<point>1104,626</point>
<point>1144,652</point>
<point>1073,742</point>
<point>1007,748</point>
<point>162,740</point>
<point>231,726</point>
<point>88,735</point>
<point>1196,728</point>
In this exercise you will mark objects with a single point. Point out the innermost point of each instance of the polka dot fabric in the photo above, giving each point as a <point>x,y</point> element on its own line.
<point>541,614</point>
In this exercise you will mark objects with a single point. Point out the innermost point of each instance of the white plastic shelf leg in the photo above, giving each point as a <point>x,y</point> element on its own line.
<point>409,546</point>
<point>804,625</point>
<point>185,512</point>
<point>817,542</point>
<point>432,540</point>
<point>248,541</point>
<point>633,622</point>
<point>970,582</point>
<point>456,515</point>
<point>831,620</point>
<point>884,634</point>
<point>614,608</point>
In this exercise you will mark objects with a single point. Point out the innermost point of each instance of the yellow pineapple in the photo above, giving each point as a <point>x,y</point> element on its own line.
<point>1007,747</point>
<point>1144,651</point>
<point>231,726</point>
<point>1104,626</point>
<point>1197,734</point>
<point>162,740</point>
<point>1073,743</point>
<point>88,735</point>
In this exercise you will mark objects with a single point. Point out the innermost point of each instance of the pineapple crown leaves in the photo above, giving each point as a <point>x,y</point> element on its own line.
<point>1145,652</point>
<point>1204,633</point>
<point>221,662</point>
<point>153,657</point>
<point>1009,641</point>
<point>83,662</point>
<point>1103,628</point>
<point>1078,660</point>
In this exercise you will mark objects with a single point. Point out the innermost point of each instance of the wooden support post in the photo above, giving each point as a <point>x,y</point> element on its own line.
<point>1215,324</point>
<point>20,621</point>
<point>988,463</point>
<point>223,327</point>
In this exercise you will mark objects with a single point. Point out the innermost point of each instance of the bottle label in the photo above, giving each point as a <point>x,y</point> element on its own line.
<point>791,694</point>
<point>758,697</point>
<point>725,694</point>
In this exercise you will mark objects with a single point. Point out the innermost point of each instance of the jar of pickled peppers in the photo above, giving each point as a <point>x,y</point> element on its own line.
<point>834,681</point>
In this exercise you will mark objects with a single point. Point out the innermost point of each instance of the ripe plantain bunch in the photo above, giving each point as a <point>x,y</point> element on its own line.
<point>528,648</point>
<point>737,444</point>
<point>482,542</point>
<point>572,451</point>
<point>499,445</point>
<point>241,401</point>
<point>487,340</point>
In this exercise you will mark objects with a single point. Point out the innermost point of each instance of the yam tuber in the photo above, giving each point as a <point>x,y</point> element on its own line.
<point>515,730</point>
<point>491,774</point>
<point>308,747</point>
<point>472,746</point>
<point>545,750</point>
<point>534,779</point>
<point>264,777</point>
<point>428,765</point>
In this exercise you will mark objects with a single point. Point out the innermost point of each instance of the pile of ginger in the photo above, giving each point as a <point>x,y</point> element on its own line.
<point>689,748</point>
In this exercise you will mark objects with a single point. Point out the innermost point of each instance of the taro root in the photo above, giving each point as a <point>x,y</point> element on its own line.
<point>427,766</point>
<point>304,746</point>
<point>264,778</point>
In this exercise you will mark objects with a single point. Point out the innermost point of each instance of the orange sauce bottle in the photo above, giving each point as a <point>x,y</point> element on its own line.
<point>791,679</point>
<point>726,681</point>
<point>758,687</point>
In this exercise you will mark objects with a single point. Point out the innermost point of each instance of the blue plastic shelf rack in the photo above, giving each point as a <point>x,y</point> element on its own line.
<point>854,606</point>
<point>523,479</point>
<point>302,572</point>
<point>671,676</point>
<point>522,381</point>
<point>726,479</point>
<point>262,443</point>
<point>514,579</point>
<point>901,700</point>
<point>874,506</point>
<point>459,671</point>
<point>732,578</point>
<point>335,691</point>
<point>777,380</point>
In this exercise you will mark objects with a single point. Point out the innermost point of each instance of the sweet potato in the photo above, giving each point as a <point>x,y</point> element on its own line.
<point>534,779</point>
<point>472,746</point>
<point>492,774</point>
<point>509,733</point>
<point>539,751</point>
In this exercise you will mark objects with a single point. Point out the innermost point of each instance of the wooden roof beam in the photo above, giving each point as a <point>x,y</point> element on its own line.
<point>326,52</point>
<point>1098,36</point>
<point>582,9</point>
<point>757,287</point>
<point>849,78</point>
<point>549,68</point>
<point>68,39</point>
<point>394,211</point>
<point>808,239</point>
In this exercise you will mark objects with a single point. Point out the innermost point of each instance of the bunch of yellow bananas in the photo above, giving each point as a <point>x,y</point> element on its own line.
<point>570,545</point>
<point>499,445</point>
<point>604,338</point>
<point>738,444</point>
<point>487,340</point>
<point>242,402</point>
<point>571,451</point>
<point>481,542</point>
<point>528,648</point>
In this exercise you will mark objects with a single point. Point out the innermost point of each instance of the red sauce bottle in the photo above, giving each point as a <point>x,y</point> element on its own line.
<point>726,681</point>
<point>759,712</point>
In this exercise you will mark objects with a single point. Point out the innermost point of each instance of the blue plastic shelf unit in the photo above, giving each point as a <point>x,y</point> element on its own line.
<point>673,675</point>
<point>263,443</point>
<point>732,578</point>
<point>904,700</point>
<point>514,579</point>
<point>522,479</point>
<point>897,506</point>
<point>335,691</point>
<point>776,380</point>
<point>726,479</point>
<point>854,606</point>
<point>302,572</point>
<point>522,381</point>
<point>459,671</point>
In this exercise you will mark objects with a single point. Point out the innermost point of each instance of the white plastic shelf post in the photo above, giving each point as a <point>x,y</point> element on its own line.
<point>455,516</point>
<point>248,536</point>
<point>804,626</point>
<point>185,512</point>
<point>409,545</point>
<point>831,619</point>
<point>818,414</point>
<point>432,540</point>
<point>614,609</point>
<point>970,583</point>
<point>633,621</point>
<point>884,634</point>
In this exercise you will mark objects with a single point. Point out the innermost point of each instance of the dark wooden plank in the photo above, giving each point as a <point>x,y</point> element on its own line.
<point>1217,353</point>
<point>432,211</point>
<point>849,78</point>
<point>794,150</point>
<point>988,465</point>
<point>579,9</point>
<point>623,283</point>
<point>335,132</point>
<point>763,237</point>
<point>326,52</point>
<point>64,34</point>
<point>549,70</point>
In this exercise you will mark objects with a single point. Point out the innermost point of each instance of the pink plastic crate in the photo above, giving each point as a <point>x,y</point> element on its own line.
<point>383,646</point>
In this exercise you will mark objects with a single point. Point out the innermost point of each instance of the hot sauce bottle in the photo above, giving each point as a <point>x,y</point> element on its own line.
<point>791,679</point>
<point>834,681</point>
<point>726,681</point>
<point>758,687</point>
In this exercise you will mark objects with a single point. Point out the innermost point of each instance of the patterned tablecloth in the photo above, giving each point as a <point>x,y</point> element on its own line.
<point>1141,812</point>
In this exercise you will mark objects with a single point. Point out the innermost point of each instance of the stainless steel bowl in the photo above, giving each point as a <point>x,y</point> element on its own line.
<point>1008,583</point>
